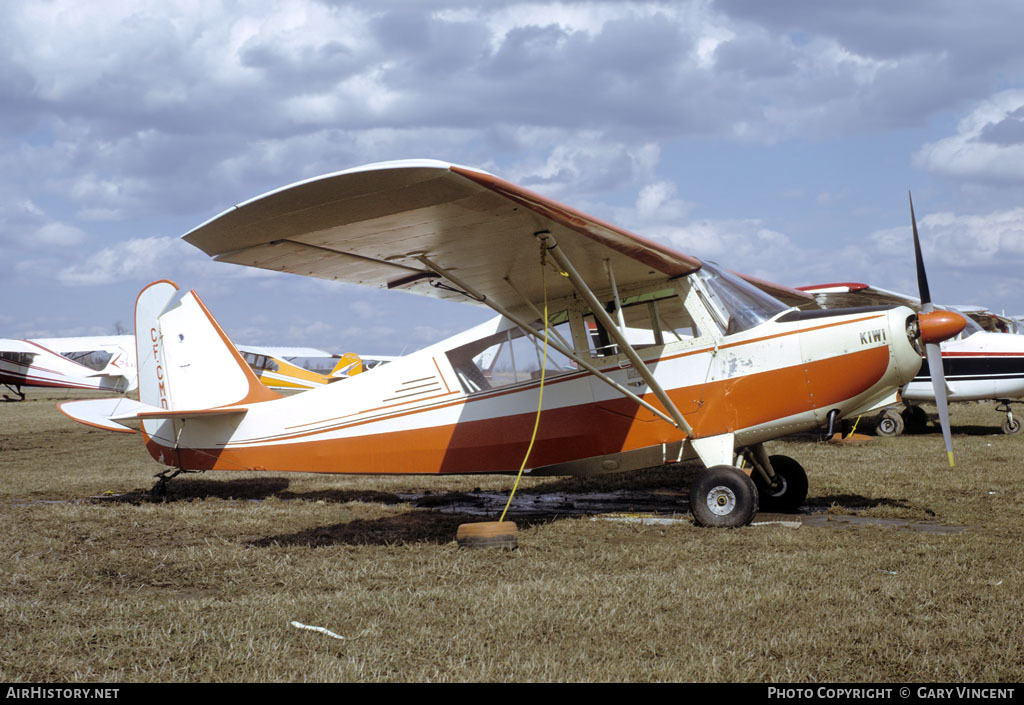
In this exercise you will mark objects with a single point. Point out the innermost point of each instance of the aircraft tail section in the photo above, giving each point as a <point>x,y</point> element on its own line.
<point>348,365</point>
<point>185,360</point>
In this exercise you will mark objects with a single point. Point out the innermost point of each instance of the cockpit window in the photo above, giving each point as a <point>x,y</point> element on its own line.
<point>653,318</point>
<point>970,329</point>
<point>260,363</point>
<point>510,356</point>
<point>19,358</point>
<point>736,304</point>
<point>93,359</point>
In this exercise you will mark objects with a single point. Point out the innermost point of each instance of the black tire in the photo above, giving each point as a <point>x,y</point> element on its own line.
<point>889,423</point>
<point>914,418</point>
<point>792,490</point>
<point>723,497</point>
<point>1011,428</point>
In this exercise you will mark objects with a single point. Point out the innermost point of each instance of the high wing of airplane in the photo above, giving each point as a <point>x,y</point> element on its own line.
<point>105,363</point>
<point>977,363</point>
<point>553,384</point>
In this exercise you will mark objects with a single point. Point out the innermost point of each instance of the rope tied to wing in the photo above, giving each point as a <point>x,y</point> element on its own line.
<point>543,372</point>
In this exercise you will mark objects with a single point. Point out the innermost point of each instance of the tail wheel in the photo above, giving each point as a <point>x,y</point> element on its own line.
<point>889,423</point>
<point>790,490</point>
<point>1011,426</point>
<point>723,497</point>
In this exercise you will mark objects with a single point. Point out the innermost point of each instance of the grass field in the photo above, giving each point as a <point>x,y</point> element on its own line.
<point>101,584</point>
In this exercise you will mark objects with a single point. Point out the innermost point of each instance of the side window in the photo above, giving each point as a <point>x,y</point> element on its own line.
<point>93,359</point>
<point>260,363</point>
<point>650,320</point>
<point>18,358</point>
<point>510,357</point>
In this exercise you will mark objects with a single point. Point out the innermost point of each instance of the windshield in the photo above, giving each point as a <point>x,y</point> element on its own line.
<point>737,304</point>
<point>970,329</point>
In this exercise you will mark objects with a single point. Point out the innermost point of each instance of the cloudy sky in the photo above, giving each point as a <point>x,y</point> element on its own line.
<point>777,138</point>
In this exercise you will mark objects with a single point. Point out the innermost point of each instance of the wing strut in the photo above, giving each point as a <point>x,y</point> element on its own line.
<point>598,310</point>
<point>528,329</point>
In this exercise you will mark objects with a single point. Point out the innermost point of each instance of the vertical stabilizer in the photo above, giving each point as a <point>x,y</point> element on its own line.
<point>151,303</point>
<point>349,364</point>
<point>186,361</point>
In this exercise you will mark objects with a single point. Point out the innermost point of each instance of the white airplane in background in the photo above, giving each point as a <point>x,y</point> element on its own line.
<point>991,321</point>
<point>729,367</point>
<point>978,364</point>
<point>108,363</point>
<point>105,363</point>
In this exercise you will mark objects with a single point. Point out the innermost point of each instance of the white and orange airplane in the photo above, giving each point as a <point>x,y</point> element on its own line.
<point>728,368</point>
<point>105,363</point>
<point>978,364</point>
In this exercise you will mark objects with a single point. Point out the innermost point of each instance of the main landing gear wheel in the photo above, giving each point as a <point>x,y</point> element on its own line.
<point>1010,425</point>
<point>889,423</point>
<point>914,418</point>
<point>791,485</point>
<point>723,497</point>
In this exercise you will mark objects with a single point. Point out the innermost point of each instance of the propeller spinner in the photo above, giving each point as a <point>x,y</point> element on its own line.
<point>936,326</point>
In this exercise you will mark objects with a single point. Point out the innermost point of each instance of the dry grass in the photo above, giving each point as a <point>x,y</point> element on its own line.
<point>113,587</point>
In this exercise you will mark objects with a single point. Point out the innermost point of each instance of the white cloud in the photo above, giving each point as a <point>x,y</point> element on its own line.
<point>363,309</point>
<point>969,154</point>
<point>58,235</point>
<point>130,259</point>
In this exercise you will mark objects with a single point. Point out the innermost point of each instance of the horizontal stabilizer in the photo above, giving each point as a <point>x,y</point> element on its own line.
<point>109,414</point>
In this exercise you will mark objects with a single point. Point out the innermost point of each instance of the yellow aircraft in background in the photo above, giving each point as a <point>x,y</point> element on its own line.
<point>305,368</point>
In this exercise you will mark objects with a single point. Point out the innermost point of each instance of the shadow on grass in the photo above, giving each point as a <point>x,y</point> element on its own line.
<point>856,501</point>
<point>932,429</point>
<point>186,488</point>
<point>408,528</point>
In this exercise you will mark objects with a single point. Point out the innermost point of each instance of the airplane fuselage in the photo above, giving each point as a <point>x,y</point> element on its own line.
<point>983,365</point>
<point>28,363</point>
<point>416,415</point>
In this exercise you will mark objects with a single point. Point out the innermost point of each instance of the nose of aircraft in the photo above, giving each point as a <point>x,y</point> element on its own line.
<point>939,325</point>
<point>906,347</point>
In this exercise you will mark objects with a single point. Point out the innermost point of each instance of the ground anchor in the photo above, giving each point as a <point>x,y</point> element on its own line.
<point>488,534</point>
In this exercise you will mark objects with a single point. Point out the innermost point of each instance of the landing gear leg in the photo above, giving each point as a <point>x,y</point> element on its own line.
<point>159,490</point>
<point>781,481</point>
<point>16,390</point>
<point>1010,424</point>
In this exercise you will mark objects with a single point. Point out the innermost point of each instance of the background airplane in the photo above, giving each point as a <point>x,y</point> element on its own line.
<point>977,364</point>
<point>728,368</point>
<point>108,363</point>
<point>105,363</point>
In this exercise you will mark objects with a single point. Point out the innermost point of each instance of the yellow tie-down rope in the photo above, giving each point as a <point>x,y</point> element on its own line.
<point>540,396</point>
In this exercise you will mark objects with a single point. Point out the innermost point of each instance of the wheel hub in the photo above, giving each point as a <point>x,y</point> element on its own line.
<point>780,486</point>
<point>721,500</point>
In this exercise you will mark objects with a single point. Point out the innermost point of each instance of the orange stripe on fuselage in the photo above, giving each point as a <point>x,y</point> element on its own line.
<point>598,428</point>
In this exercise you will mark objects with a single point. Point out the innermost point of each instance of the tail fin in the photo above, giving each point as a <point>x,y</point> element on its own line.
<point>348,365</point>
<point>185,360</point>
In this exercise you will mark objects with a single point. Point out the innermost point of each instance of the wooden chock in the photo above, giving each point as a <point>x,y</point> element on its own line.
<point>488,534</point>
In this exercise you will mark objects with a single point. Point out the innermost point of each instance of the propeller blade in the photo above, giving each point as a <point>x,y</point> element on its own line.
<point>922,278</point>
<point>939,327</point>
<point>941,400</point>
